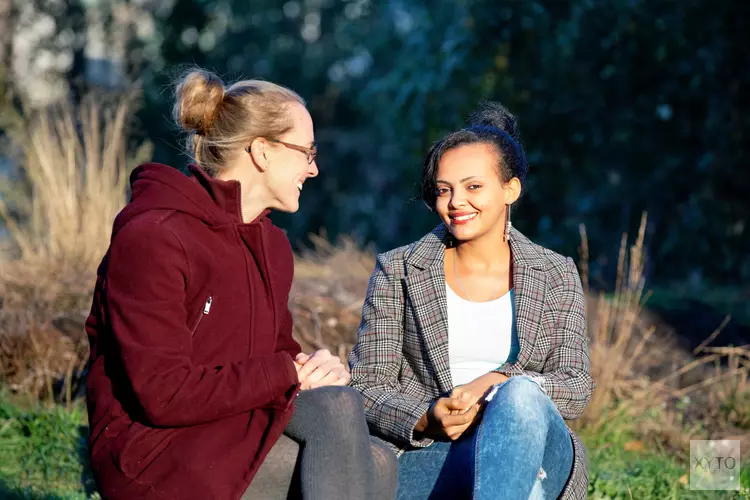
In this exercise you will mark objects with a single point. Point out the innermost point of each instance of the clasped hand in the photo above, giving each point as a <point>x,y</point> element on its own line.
<point>449,417</point>
<point>320,369</point>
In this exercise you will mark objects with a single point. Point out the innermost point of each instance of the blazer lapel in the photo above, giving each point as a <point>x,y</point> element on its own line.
<point>530,284</point>
<point>425,289</point>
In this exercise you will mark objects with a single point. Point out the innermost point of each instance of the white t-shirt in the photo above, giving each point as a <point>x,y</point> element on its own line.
<point>481,335</point>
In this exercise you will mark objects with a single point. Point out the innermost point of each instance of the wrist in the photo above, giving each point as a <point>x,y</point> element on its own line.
<point>421,424</point>
<point>497,378</point>
<point>424,420</point>
<point>486,381</point>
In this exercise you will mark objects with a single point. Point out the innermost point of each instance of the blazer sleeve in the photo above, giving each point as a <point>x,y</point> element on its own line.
<point>145,304</point>
<point>566,373</point>
<point>375,361</point>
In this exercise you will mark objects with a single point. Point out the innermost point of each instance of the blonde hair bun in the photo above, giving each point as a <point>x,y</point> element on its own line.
<point>198,98</point>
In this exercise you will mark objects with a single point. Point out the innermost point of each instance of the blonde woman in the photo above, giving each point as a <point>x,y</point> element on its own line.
<point>197,389</point>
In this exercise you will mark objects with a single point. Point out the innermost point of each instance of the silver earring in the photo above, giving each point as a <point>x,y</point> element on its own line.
<point>506,233</point>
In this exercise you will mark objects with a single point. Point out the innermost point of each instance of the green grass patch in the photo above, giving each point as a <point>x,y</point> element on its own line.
<point>623,467</point>
<point>43,452</point>
<point>44,458</point>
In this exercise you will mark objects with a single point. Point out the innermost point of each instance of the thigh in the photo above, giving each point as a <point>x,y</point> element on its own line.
<point>442,470</point>
<point>326,410</point>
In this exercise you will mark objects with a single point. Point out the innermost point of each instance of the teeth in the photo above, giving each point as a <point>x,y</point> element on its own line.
<point>465,217</point>
<point>299,186</point>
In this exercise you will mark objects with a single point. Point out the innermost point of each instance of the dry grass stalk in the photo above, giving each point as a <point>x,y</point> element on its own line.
<point>614,325</point>
<point>76,165</point>
<point>329,288</point>
<point>716,383</point>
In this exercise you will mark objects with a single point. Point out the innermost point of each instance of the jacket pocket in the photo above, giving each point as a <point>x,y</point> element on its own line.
<point>201,314</point>
<point>138,447</point>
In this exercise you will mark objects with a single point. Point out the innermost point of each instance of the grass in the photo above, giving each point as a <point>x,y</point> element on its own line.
<point>44,458</point>
<point>44,451</point>
<point>625,465</point>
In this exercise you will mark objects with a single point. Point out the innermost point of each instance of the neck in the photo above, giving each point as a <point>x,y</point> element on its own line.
<point>488,252</point>
<point>253,192</point>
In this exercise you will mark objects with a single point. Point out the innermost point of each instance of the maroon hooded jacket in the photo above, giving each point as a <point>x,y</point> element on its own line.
<point>191,374</point>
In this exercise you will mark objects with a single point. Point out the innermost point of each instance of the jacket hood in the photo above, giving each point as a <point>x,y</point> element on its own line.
<point>160,187</point>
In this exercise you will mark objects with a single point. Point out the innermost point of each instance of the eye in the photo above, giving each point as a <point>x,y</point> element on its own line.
<point>473,187</point>
<point>441,191</point>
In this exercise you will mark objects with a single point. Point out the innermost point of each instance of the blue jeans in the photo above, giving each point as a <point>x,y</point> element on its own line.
<point>520,431</point>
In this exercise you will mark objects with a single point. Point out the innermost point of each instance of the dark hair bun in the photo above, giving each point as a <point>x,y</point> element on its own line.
<point>494,114</point>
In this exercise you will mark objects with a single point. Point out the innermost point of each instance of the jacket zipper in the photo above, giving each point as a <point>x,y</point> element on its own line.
<point>206,310</point>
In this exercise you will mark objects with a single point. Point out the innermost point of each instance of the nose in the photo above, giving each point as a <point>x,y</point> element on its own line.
<point>312,171</point>
<point>457,199</point>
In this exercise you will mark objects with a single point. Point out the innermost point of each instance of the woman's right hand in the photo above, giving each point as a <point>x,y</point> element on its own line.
<point>440,424</point>
<point>320,369</point>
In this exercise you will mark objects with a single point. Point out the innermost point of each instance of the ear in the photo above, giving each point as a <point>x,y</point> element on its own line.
<point>258,151</point>
<point>512,190</point>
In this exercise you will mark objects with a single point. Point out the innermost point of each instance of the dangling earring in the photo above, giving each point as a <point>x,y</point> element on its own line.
<point>506,233</point>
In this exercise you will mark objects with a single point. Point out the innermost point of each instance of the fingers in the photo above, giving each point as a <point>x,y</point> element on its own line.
<point>313,361</point>
<point>461,403</point>
<point>302,358</point>
<point>337,376</point>
<point>453,432</point>
<point>464,418</point>
<point>321,369</point>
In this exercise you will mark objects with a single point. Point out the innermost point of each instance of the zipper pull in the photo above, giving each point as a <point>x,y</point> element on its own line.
<point>207,307</point>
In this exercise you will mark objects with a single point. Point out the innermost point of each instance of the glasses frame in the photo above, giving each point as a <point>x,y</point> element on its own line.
<point>311,153</point>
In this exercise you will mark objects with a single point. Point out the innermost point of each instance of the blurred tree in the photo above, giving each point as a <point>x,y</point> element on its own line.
<point>624,106</point>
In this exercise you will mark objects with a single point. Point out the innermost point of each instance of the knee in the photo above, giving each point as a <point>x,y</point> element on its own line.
<point>335,405</point>
<point>522,397</point>
<point>344,399</point>
<point>386,465</point>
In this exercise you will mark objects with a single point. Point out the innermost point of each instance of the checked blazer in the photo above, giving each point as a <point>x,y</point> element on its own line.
<point>400,361</point>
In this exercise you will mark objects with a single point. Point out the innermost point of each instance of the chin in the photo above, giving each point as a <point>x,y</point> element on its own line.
<point>291,206</point>
<point>463,233</point>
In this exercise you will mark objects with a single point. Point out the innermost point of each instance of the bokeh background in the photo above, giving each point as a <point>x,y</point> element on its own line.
<point>634,114</point>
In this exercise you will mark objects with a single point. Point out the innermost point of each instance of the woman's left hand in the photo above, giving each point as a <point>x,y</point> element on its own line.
<point>475,391</point>
<point>320,369</point>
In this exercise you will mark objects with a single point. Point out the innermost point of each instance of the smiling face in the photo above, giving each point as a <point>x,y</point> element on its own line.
<point>288,168</point>
<point>471,197</point>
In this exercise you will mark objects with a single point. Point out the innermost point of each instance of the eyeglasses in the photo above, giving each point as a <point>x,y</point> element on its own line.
<point>311,153</point>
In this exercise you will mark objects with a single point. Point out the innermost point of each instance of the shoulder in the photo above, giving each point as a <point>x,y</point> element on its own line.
<point>419,254</point>
<point>558,268</point>
<point>147,239</point>
<point>154,225</point>
<point>393,262</point>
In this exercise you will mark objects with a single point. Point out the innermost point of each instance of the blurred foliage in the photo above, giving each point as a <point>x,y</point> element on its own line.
<point>624,106</point>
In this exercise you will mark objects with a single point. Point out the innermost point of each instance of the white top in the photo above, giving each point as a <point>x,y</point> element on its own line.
<point>481,335</point>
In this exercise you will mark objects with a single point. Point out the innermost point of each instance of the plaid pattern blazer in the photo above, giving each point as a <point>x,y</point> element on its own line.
<point>400,361</point>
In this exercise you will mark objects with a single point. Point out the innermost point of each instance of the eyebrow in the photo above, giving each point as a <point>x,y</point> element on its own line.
<point>461,181</point>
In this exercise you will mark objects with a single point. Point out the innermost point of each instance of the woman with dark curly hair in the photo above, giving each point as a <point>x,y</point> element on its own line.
<point>472,349</point>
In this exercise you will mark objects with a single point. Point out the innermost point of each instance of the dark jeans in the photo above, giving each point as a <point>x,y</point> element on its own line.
<point>326,453</point>
<point>520,431</point>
